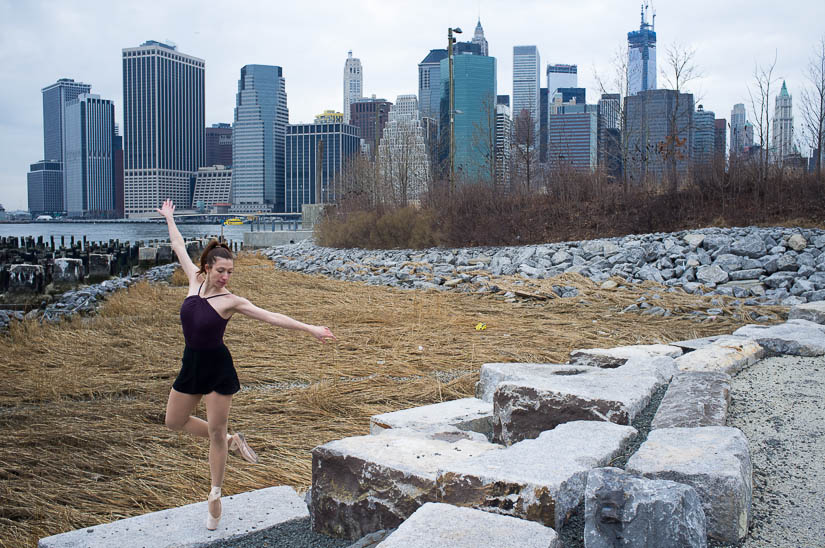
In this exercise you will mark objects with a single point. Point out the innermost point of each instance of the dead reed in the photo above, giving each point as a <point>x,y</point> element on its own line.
<point>83,402</point>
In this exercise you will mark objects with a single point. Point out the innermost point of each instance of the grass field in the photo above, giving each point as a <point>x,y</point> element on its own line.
<point>82,402</point>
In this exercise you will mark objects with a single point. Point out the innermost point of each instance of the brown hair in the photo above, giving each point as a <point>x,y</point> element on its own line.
<point>214,250</point>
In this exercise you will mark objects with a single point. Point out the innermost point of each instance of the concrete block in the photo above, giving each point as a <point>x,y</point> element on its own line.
<point>494,373</point>
<point>194,249</point>
<point>67,271</point>
<point>714,460</point>
<point>727,354</point>
<point>185,527</point>
<point>523,409</point>
<point>26,278</point>
<point>165,254</point>
<point>539,480</point>
<point>689,345</point>
<point>694,399</point>
<point>470,414</point>
<point>623,510</point>
<point>436,525</point>
<point>147,256</point>
<point>100,267</point>
<point>614,357</point>
<point>257,240</point>
<point>813,312</point>
<point>368,483</point>
<point>795,337</point>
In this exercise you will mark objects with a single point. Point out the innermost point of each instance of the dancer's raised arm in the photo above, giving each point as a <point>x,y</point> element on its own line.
<point>178,245</point>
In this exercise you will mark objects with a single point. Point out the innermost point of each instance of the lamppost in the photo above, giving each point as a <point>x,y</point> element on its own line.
<point>450,41</point>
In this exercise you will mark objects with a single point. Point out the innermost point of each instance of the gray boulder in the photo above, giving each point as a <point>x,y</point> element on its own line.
<point>749,246</point>
<point>795,337</point>
<point>813,312</point>
<point>694,399</point>
<point>623,510</point>
<point>711,274</point>
<point>728,262</point>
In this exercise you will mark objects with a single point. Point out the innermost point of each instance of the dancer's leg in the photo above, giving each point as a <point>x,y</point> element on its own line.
<point>178,414</point>
<point>217,415</point>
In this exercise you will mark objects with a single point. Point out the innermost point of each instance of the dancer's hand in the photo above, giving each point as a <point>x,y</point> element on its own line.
<point>322,333</point>
<point>167,210</point>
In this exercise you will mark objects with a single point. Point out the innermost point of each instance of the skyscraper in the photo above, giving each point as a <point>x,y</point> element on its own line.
<point>474,95</point>
<point>703,136</point>
<point>641,62</point>
<point>526,86</point>
<point>363,116</point>
<point>336,143</point>
<point>258,139</point>
<point>658,133</point>
<point>561,76</point>
<point>782,145</point>
<point>45,188</point>
<point>720,129</point>
<point>738,119</point>
<point>89,168</point>
<point>573,138</point>
<point>404,160</point>
<point>353,83</point>
<point>55,98</point>
<point>163,125</point>
<point>219,145</point>
<point>544,112</point>
<point>478,38</point>
<point>504,131</point>
<point>429,80</point>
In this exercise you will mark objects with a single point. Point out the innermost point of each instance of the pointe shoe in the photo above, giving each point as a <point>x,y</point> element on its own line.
<point>211,521</point>
<point>238,443</point>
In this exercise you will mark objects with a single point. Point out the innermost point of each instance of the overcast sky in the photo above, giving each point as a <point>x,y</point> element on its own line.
<point>41,41</point>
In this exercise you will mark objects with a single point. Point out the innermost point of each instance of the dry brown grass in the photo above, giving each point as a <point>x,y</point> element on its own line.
<point>82,404</point>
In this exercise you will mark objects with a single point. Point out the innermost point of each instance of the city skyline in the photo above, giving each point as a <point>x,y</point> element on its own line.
<point>312,51</point>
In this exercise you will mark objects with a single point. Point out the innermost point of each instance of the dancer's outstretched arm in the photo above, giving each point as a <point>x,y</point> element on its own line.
<point>243,306</point>
<point>178,245</point>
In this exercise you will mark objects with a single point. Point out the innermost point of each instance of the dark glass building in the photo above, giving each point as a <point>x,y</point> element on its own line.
<point>363,116</point>
<point>336,143</point>
<point>219,145</point>
<point>45,187</point>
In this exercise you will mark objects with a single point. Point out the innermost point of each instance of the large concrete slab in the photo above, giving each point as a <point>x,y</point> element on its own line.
<point>795,337</point>
<point>726,354</point>
<point>614,357</point>
<point>469,414</point>
<point>621,509</point>
<point>436,525</point>
<point>689,345</point>
<point>539,480</point>
<point>813,312</point>
<point>694,399</point>
<point>492,374</point>
<point>526,408</point>
<point>368,483</point>
<point>714,460</point>
<point>185,526</point>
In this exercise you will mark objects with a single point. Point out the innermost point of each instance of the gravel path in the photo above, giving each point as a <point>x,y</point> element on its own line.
<point>778,404</point>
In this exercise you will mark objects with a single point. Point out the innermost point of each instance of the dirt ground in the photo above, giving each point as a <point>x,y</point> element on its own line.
<point>82,403</point>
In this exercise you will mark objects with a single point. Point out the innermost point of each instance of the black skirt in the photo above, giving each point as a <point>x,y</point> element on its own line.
<point>204,371</point>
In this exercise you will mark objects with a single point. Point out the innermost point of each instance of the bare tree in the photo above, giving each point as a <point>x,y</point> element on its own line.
<point>484,139</point>
<point>525,148</point>
<point>813,105</point>
<point>760,94</point>
<point>678,71</point>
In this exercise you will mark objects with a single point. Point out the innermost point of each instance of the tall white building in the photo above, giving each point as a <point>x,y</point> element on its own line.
<point>703,136</point>
<point>478,38</point>
<point>353,83</point>
<point>782,145</point>
<point>504,132</point>
<point>403,153</point>
<point>738,118</point>
<point>526,84</point>
<point>641,62</point>
<point>212,186</point>
<point>163,125</point>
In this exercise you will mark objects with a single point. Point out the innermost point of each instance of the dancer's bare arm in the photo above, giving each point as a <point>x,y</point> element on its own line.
<point>243,306</point>
<point>178,245</point>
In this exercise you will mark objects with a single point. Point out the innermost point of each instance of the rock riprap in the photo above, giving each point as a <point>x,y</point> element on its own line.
<point>524,408</point>
<point>542,479</point>
<point>624,510</point>
<point>714,460</point>
<point>437,525</point>
<point>765,265</point>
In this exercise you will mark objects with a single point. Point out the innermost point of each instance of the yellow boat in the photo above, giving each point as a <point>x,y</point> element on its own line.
<point>234,221</point>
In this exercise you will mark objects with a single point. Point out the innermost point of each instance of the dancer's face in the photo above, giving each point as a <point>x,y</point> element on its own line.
<point>220,272</point>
